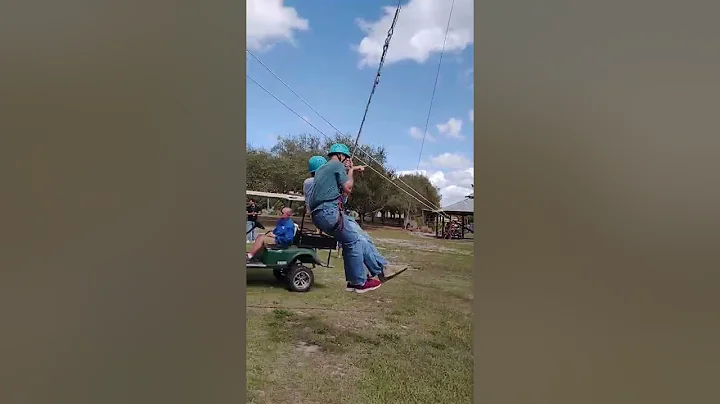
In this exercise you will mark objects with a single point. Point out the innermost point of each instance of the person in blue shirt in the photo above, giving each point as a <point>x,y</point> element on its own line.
<point>281,236</point>
<point>332,184</point>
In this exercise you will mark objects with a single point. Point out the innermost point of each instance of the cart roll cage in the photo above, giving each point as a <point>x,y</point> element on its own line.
<point>304,238</point>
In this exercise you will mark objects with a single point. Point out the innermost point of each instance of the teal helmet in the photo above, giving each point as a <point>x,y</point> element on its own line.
<point>315,162</point>
<point>339,148</point>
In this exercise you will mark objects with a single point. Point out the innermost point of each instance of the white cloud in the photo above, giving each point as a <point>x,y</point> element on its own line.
<point>270,21</point>
<point>464,178</point>
<point>454,185</point>
<point>454,194</point>
<point>452,161</point>
<point>471,115</point>
<point>419,32</point>
<point>451,128</point>
<point>437,178</point>
<point>417,133</point>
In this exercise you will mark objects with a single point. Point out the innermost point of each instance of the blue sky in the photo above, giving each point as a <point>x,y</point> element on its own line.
<point>328,52</point>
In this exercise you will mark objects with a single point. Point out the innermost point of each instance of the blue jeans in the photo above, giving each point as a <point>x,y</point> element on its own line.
<point>372,259</point>
<point>371,256</point>
<point>358,250</point>
<point>249,237</point>
<point>356,227</point>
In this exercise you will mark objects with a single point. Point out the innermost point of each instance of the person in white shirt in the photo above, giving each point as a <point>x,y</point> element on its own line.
<point>314,163</point>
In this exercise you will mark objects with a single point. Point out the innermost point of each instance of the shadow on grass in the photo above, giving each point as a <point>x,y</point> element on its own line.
<point>264,278</point>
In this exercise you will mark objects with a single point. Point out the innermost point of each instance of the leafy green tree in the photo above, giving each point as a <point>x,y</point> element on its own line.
<point>409,203</point>
<point>283,168</point>
<point>372,187</point>
<point>291,155</point>
<point>300,146</point>
<point>259,170</point>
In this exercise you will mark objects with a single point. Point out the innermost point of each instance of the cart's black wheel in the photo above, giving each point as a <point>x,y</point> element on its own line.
<point>279,274</point>
<point>299,278</point>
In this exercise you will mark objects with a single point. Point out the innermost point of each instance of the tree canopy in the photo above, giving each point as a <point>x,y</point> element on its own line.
<point>283,167</point>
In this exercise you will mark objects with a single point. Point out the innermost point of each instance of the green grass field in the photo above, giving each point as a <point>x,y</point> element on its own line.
<point>408,342</point>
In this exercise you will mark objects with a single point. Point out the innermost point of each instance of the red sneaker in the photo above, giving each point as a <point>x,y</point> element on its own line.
<point>370,284</point>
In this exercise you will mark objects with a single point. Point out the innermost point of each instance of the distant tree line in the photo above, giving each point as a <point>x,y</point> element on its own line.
<point>283,168</point>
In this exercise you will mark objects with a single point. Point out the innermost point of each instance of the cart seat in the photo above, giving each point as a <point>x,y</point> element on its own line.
<point>276,247</point>
<point>316,241</point>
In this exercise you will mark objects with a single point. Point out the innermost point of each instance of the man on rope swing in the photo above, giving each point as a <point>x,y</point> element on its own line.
<point>316,162</point>
<point>332,183</point>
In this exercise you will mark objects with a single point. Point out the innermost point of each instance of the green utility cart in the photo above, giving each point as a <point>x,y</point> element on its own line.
<point>294,264</point>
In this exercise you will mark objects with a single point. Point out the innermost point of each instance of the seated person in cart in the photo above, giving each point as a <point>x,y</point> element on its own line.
<point>281,237</point>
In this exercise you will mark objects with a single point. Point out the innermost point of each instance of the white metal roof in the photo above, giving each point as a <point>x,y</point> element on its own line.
<point>465,206</point>
<point>287,197</point>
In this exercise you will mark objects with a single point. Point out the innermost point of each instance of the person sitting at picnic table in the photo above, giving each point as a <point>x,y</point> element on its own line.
<point>281,236</point>
<point>253,211</point>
